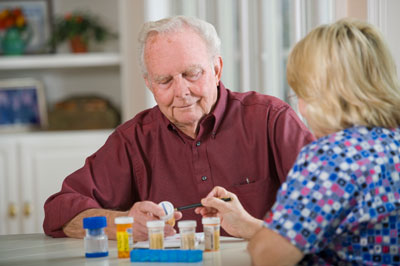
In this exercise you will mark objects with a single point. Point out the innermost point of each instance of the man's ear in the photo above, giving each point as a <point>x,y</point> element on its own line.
<point>147,81</point>
<point>218,68</point>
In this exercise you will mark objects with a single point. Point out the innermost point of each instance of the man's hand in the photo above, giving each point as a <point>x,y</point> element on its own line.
<point>144,211</point>
<point>141,211</point>
<point>234,218</point>
<point>74,228</point>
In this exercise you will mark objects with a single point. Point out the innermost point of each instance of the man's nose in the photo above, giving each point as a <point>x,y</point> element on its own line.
<point>181,86</point>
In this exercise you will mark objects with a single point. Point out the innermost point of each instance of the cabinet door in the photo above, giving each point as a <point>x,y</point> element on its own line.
<point>10,222</point>
<point>46,160</point>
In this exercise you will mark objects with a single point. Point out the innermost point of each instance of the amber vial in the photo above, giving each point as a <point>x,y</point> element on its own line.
<point>211,233</point>
<point>169,212</point>
<point>187,231</point>
<point>156,234</point>
<point>124,235</point>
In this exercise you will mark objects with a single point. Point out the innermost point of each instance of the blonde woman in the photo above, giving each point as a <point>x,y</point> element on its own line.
<point>341,201</point>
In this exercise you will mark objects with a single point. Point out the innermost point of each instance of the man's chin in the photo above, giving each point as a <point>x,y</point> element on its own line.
<point>186,120</point>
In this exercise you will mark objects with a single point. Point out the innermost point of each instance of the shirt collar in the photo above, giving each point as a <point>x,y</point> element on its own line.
<point>220,107</point>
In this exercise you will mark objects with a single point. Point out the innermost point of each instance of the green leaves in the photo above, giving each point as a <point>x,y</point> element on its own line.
<point>78,23</point>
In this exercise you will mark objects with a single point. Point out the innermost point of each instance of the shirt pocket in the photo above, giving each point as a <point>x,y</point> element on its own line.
<point>257,196</point>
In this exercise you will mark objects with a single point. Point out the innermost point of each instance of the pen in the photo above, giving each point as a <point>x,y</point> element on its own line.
<point>197,205</point>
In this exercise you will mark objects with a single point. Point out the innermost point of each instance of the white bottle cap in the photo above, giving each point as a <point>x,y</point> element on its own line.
<point>123,220</point>
<point>156,223</point>
<point>210,220</point>
<point>187,223</point>
<point>168,209</point>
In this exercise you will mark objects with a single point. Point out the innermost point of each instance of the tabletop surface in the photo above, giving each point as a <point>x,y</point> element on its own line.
<point>38,249</point>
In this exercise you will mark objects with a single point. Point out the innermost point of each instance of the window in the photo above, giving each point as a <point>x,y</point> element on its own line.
<point>257,36</point>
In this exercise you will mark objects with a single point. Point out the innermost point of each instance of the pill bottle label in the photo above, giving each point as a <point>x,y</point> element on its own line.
<point>211,238</point>
<point>188,241</point>
<point>156,240</point>
<point>124,240</point>
<point>124,243</point>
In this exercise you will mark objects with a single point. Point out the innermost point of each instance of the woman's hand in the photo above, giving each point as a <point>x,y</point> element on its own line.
<point>234,218</point>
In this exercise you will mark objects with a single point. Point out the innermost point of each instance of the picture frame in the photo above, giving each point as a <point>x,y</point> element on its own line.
<point>39,14</point>
<point>22,105</point>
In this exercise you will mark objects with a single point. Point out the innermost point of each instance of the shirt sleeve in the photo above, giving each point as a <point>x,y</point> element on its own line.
<point>288,135</point>
<point>314,203</point>
<point>105,181</point>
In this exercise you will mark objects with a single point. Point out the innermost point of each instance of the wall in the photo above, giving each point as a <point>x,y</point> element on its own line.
<point>357,9</point>
<point>392,31</point>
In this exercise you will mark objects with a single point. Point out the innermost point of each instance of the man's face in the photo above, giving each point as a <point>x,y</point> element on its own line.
<point>181,76</point>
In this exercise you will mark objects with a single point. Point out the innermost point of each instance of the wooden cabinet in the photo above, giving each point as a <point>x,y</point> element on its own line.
<point>32,167</point>
<point>9,198</point>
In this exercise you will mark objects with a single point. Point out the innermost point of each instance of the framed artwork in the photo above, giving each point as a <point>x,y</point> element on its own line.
<point>38,15</point>
<point>22,105</point>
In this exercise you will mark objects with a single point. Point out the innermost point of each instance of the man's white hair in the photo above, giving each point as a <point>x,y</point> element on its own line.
<point>174,24</point>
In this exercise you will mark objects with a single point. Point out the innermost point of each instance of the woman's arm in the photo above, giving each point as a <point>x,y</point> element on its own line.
<point>269,248</point>
<point>234,218</point>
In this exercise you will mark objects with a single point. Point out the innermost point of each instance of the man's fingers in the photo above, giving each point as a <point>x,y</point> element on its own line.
<point>169,230</point>
<point>149,207</point>
<point>178,215</point>
<point>139,232</point>
<point>142,218</point>
<point>144,211</point>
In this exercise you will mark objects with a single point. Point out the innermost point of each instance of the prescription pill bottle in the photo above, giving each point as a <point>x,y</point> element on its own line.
<point>124,235</point>
<point>211,233</point>
<point>169,211</point>
<point>95,241</point>
<point>156,234</point>
<point>187,231</point>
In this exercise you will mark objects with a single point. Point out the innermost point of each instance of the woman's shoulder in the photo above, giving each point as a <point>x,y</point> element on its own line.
<point>348,146</point>
<point>354,136</point>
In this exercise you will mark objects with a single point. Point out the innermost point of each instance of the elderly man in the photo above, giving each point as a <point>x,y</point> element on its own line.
<point>198,136</point>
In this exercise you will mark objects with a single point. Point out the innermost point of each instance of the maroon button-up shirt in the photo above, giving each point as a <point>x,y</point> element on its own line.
<point>247,145</point>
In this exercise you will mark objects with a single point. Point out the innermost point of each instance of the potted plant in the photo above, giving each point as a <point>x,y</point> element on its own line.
<point>14,31</point>
<point>79,28</point>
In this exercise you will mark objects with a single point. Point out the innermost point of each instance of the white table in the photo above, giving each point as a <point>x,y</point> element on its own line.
<point>38,249</point>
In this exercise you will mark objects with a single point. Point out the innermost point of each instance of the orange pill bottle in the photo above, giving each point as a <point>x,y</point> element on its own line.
<point>124,235</point>
<point>211,228</point>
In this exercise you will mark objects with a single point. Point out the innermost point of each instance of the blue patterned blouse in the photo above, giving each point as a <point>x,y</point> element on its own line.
<point>341,201</point>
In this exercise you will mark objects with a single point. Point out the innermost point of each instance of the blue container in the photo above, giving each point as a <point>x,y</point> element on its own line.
<point>167,255</point>
<point>96,241</point>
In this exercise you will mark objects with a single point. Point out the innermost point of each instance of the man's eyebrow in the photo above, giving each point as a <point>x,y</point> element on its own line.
<point>193,67</point>
<point>166,77</point>
<point>161,78</point>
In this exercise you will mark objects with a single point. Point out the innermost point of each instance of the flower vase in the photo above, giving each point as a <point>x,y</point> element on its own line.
<point>13,42</point>
<point>78,44</point>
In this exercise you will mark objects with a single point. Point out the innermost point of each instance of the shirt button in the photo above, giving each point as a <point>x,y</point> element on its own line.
<point>204,178</point>
<point>198,143</point>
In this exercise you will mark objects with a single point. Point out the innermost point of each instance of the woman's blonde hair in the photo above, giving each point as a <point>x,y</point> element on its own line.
<point>345,74</point>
